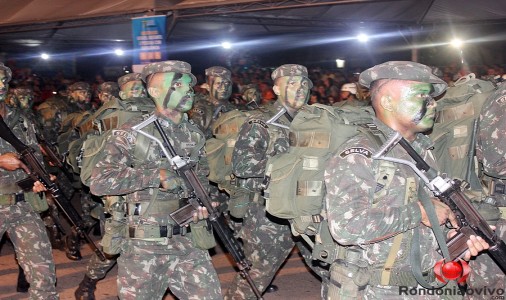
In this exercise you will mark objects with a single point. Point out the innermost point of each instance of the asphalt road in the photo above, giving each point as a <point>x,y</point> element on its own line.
<point>294,279</point>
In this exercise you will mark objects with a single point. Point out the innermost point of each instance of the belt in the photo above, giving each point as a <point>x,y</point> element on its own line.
<point>11,199</point>
<point>156,231</point>
<point>399,278</point>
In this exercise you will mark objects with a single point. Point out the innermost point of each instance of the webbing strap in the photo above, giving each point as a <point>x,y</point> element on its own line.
<point>392,255</point>
<point>415,255</point>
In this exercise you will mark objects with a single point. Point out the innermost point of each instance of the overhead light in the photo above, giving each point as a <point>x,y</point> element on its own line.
<point>226,45</point>
<point>457,43</point>
<point>119,52</point>
<point>362,37</point>
<point>44,56</point>
<point>340,63</point>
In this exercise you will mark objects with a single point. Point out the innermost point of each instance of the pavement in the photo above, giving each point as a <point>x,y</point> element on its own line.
<point>294,279</point>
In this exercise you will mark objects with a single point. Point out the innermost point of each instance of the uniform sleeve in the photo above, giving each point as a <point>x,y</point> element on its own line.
<point>115,174</point>
<point>249,158</point>
<point>353,220</point>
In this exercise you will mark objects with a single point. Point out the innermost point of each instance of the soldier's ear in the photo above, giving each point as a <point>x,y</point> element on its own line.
<point>386,102</point>
<point>205,86</point>
<point>276,90</point>
<point>153,92</point>
<point>122,94</point>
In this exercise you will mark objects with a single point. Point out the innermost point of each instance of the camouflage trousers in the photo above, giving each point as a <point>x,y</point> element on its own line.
<point>33,250</point>
<point>485,274</point>
<point>147,268</point>
<point>97,269</point>
<point>266,244</point>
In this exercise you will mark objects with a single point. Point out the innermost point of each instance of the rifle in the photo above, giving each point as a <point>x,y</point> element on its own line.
<point>449,192</point>
<point>199,197</point>
<point>38,173</point>
<point>64,177</point>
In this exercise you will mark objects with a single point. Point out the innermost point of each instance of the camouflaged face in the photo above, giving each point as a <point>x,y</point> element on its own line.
<point>175,66</point>
<point>291,70</point>
<point>219,72</point>
<point>79,86</point>
<point>404,70</point>
<point>109,87</point>
<point>129,77</point>
<point>7,70</point>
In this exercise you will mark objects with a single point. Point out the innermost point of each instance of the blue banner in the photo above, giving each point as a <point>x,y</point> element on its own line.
<point>149,39</point>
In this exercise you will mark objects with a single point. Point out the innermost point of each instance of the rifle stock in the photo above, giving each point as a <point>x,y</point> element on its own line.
<point>38,173</point>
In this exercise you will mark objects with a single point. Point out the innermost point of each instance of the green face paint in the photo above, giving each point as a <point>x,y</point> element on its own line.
<point>176,92</point>
<point>416,107</point>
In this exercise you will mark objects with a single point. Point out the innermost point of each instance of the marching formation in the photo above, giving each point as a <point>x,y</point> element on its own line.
<point>381,196</point>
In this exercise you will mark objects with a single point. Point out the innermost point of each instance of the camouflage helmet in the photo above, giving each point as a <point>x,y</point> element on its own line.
<point>7,70</point>
<point>129,77</point>
<point>109,87</point>
<point>404,70</point>
<point>175,66</point>
<point>249,87</point>
<point>291,70</point>
<point>80,85</point>
<point>218,71</point>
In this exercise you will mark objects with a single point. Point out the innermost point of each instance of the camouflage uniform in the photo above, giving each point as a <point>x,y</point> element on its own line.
<point>18,218</point>
<point>207,109</point>
<point>372,206</point>
<point>155,253</point>
<point>97,269</point>
<point>491,152</point>
<point>267,240</point>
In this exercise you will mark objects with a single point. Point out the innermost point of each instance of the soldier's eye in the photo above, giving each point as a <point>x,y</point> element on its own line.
<point>177,84</point>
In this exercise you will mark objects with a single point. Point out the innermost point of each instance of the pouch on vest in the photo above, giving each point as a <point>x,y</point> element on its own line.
<point>115,233</point>
<point>202,235</point>
<point>38,203</point>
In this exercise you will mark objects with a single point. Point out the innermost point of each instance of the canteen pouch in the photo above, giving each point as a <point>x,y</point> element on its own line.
<point>202,235</point>
<point>239,202</point>
<point>38,203</point>
<point>113,237</point>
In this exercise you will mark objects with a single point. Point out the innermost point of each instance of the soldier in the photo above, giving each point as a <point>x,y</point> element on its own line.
<point>251,96</point>
<point>132,91</point>
<point>107,91</point>
<point>349,96</point>
<point>17,208</point>
<point>267,240</point>
<point>373,208</point>
<point>491,152</point>
<point>207,108</point>
<point>156,253</point>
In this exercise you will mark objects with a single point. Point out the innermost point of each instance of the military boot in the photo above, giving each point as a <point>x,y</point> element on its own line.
<point>73,245</point>
<point>55,237</point>
<point>86,289</point>
<point>23,285</point>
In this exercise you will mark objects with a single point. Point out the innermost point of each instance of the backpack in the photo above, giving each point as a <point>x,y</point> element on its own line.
<point>220,147</point>
<point>295,188</point>
<point>112,116</point>
<point>453,132</point>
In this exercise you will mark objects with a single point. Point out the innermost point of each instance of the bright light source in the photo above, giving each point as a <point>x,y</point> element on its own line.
<point>44,56</point>
<point>54,93</point>
<point>226,45</point>
<point>362,37</point>
<point>340,63</point>
<point>119,52</point>
<point>457,43</point>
